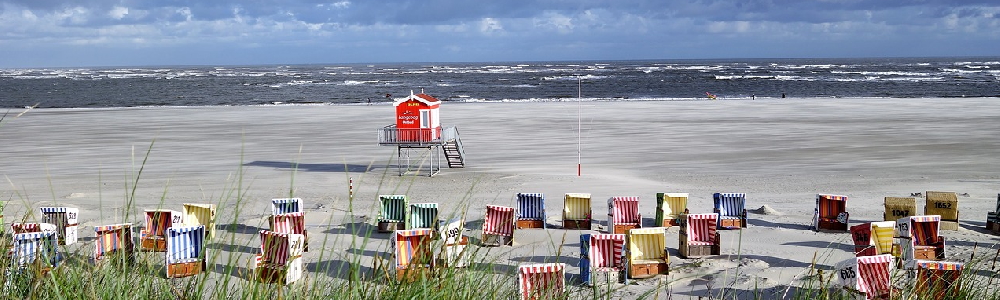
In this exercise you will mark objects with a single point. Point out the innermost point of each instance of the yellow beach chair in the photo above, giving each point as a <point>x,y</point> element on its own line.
<point>200,214</point>
<point>670,209</point>
<point>648,254</point>
<point>577,211</point>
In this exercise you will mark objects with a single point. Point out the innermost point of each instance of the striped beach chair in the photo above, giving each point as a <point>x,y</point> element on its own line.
<point>731,208</point>
<point>32,248</point>
<point>577,211</point>
<point>498,226</point>
<point>899,207</point>
<point>454,244</point>
<point>200,214</point>
<point>875,238</point>
<point>292,223</point>
<point>699,237</point>
<point>530,210</point>
<point>541,281</point>
<point>392,213</point>
<point>17,228</point>
<point>412,253</point>
<point>623,214</point>
<point>867,276</point>
<point>647,252</point>
<point>831,213</point>
<point>944,204</point>
<point>66,220</point>
<point>671,209</point>
<point>280,257</point>
<point>937,279</point>
<point>185,251</point>
<point>993,219</point>
<point>114,240</point>
<point>422,215</point>
<point>919,238</point>
<point>153,236</point>
<point>605,258</point>
<point>286,205</point>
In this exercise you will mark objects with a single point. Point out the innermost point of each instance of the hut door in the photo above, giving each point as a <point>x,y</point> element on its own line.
<point>425,118</point>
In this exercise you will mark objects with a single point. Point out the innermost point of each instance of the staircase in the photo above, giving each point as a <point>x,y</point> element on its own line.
<point>452,148</point>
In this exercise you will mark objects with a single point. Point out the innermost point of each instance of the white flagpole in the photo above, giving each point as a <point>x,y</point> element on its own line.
<point>579,126</point>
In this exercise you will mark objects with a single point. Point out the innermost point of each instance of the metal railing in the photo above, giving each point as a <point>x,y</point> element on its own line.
<point>451,133</point>
<point>391,136</point>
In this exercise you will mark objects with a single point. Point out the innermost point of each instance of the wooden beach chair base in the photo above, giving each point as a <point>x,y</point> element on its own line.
<point>185,269</point>
<point>732,223</point>
<point>155,244</point>
<point>993,226</point>
<point>928,253</point>
<point>495,240</point>
<point>623,229</point>
<point>648,269</point>
<point>948,225</point>
<point>576,224</point>
<point>389,227</point>
<point>524,224</point>
<point>606,278</point>
<point>281,275</point>
<point>412,274</point>
<point>687,250</point>
<point>670,223</point>
<point>831,226</point>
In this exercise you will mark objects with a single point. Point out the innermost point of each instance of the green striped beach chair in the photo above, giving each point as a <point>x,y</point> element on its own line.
<point>392,213</point>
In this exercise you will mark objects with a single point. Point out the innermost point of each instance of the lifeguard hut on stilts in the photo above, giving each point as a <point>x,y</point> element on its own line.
<point>418,131</point>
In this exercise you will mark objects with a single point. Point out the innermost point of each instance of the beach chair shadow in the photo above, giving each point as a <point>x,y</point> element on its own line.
<point>359,229</point>
<point>784,262</point>
<point>494,268</point>
<point>240,228</point>
<point>341,269</point>
<point>822,245</point>
<point>542,259</point>
<point>231,269</point>
<point>286,165</point>
<point>765,223</point>
<point>233,248</point>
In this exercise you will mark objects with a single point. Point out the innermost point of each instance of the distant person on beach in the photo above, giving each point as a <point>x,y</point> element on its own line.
<point>782,95</point>
<point>753,97</point>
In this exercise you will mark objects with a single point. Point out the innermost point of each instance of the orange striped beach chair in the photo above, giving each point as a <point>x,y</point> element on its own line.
<point>873,238</point>
<point>280,258</point>
<point>153,236</point>
<point>699,237</point>
<point>412,253</point>
<point>294,223</point>
<point>498,226</point>
<point>623,214</point>
<point>577,211</point>
<point>831,213</point>
<point>867,277</point>
<point>937,278</point>
<point>114,240</point>
<point>66,221</point>
<point>647,252</point>
<point>604,260</point>
<point>541,281</point>
<point>920,239</point>
<point>671,209</point>
<point>185,254</point>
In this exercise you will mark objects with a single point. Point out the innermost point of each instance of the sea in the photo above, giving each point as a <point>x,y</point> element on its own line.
<point>380,83</point>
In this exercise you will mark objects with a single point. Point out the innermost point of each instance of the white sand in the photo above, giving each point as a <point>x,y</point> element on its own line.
<point>780,152</point>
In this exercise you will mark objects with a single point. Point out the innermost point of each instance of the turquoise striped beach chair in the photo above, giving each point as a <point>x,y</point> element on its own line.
<point>392,213</point>
<point>422,215</point>
<point>185,251</point>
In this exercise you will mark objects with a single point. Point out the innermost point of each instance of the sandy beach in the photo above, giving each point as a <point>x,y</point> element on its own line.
<point>780,152</point>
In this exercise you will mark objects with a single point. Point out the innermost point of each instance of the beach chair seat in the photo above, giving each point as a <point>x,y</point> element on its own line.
<point>280,258</point>
<point>201,214</point>
<point>577,211</point>
<point>699,237</point>
<point>153,236</point>
<point>498,226</point>
<point>937,279</point>
<point>114,241</point>
<point>993,219</point>
<point>541,281</point>
<point>412,254</point>
<point>603,258</point>
<point>422,216</point>
<point>286,205</point>
<point>873,238</point>
<point>647,252</point>
<point>944,204</point>
<point>392,213</point>
<point>453,252</point>
<point>623,214</point>
<point>185,254</point>
<point>530,210</point>
<point>867,277</point>
<point>899,207</point>
<point>294,223</point>
<point>671,209</point>
<point>831,213</point>
<point>731,209</point>
<point>919,238</point>
<point>66,220</point>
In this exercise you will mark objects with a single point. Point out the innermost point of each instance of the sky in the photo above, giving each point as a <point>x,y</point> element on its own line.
<point>81,33</point>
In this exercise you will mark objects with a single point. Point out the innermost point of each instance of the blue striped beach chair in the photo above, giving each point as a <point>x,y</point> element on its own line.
<point>35,248</point>
<point>185,251</point>
<point>114,240</point>
<point>66,221</point>
<point>422,215</point>
<point>392,213</point>
<point>286,205</point>
<point>200,214</point>
<point>530,210</point>
<point>731,208</point>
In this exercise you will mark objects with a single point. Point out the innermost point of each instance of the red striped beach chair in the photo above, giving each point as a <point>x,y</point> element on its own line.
<point>185,251</point>
<point>937,278</point>
<point>919,239</point>
<point>294,223</point>
<point>530,210</point>
<point>454,244</point>
<point>286,205</point>
<point>623,214</point>
<point>671,209</point>
<point>899,207</point>
<point>867,277</point>
<point>114,240</point>
<point>992,218</point>
<point>541,281</point>
<point>944,204</point>
<point>412,254</point>
<point>699,237</point>
<point>577,211</point>
<point>153,236</point>
<point>17,228</point>
<point>498,226</point>
<point>831,213</point>
<point>66,221</point>
<point>731,208</point>
<point>280,257</point>
<point>200,214</point>
<point>392,213</point>
<point>647,252</point>
<point>873,238</point>
<point>606,261</point>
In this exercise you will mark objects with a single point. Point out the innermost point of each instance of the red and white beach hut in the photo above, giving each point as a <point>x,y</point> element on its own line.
<point>417,118</point>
